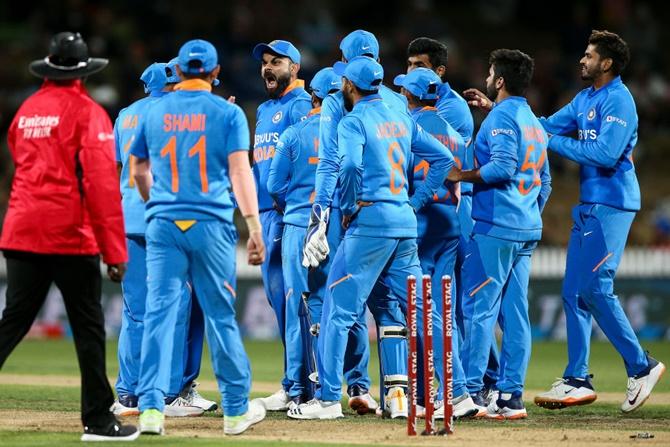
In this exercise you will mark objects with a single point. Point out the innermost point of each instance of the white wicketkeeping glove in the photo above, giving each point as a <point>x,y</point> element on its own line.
<point>316,241</point>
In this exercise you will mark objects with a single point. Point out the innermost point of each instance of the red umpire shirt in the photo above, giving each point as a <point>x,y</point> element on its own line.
<point>65,195</point>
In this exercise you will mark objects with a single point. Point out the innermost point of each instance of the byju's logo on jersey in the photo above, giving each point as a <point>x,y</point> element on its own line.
<point>277,117</point>
<point>591,114</point>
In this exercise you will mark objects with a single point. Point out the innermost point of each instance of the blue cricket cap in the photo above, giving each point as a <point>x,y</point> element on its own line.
<point>173,77</point>
<point>421,82</point>
<point>325,81</point>
<point>279,47</point>
<point>154,77</point>
<point>363,71</point>
<point>197,57</point>
<point>359,43</point>
<point>171,71</point>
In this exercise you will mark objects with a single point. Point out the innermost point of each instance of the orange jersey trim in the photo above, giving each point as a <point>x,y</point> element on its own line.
<point>194,84</point>
<point>293,85</point>
<point>314,111</point>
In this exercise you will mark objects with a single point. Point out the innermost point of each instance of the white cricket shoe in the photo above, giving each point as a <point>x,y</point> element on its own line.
<point>317,409</point>
<point>197,400</point>
<point>235,425</point>
<point>567,392</point>
<point>395,403</point>
<point>464,407</point>
<point>506,406</point>
<point>181,407</point>
<point>363,403</point>
<point>119,409</point>
<point>277,401</point>
<point>639,387</point>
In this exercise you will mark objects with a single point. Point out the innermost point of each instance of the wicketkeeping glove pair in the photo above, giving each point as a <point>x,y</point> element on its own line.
<point>316,241</point>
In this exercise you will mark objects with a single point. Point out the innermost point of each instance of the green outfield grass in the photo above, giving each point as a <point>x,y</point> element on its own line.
<point>57,358</point>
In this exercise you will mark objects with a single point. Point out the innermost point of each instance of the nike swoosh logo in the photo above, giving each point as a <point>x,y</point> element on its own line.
<point>377,73</point>
<point>632,402</point>
<point>468,255</point>
<point>580,114</point>
<point>334,83</point>
<point>587,233</point>
<point>276,240</point>
<point>194,54</point>
<point>365,48</point>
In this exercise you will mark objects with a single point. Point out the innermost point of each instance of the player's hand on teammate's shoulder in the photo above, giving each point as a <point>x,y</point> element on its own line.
<point>115,272</point>
<point>476,98</point>
<point>231,99</point>
<point>255,248</point>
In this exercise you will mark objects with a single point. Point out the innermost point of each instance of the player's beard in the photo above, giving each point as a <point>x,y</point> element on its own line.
<point>590,75</point>
<point>348,100</point>
<point>491,91</point>
<point>281,83</point>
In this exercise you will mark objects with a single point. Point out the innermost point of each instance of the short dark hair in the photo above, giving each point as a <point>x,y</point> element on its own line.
<point>611,46</point>
<point>515,67</point>
<point>436,51</point>
<point>422,102</point>
<point>366,92</point>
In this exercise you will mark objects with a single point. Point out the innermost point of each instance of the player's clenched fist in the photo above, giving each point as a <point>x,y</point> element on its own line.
<point>255,248</point>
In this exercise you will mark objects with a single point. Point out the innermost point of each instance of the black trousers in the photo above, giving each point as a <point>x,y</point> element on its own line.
<point>29,277</point>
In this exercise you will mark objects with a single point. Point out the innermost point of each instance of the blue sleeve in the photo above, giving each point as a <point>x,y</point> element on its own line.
<point>238,132</point>
<point>328,169</point>
<point>351,139</point>
<point>117,142</point>
<point>503,143</point>
<point>562,122</point>
<point>545,188</point>
<point>280,168</point>
<point>617,122</point>
<point>299,109</point>
<point>439,158</point>
<point>138,147</point>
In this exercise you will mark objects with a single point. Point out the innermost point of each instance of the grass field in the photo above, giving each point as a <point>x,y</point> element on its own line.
<point>39,405</point>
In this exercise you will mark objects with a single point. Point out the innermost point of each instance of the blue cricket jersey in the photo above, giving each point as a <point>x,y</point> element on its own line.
<point>272,118</point>
<point>454,109</point>
<point>375,145</point>
<point>606,125</point>
<point>293,168</point>
<point>511,151</point>
<point>188,136</point>
<point>438,219</point>
<point>125,132</point>
<point>332,111</point>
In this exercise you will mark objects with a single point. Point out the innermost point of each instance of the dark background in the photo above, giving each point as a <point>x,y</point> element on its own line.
<point>132,34</point>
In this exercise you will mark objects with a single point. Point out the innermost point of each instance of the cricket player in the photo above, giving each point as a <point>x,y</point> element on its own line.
<point>291,178</point>
<point>289,103</point>
<point>190,325</point>
<point>424,52</point>
<point>374,143</point>
<point>190,149</point>
<point>604,118</point>
<point>438,228</point>
<point>388,315</point>
<point>511,186</point>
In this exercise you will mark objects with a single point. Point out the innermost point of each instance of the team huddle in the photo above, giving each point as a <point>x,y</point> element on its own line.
<point>354,188</point>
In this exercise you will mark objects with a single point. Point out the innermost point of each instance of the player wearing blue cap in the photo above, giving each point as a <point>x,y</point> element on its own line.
<point>291,179</point>
<point>437,227</point>
<point>374,143</point>
<point>604,118</point>
<point>389,318</point>
<point>424,52</point>
<point>512,185</point>
<point>191,147</point>
<point>158,79</point>
<point>289,103</point>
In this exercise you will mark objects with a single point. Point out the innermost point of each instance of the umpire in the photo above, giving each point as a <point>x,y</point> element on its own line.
<point>64,211</point>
